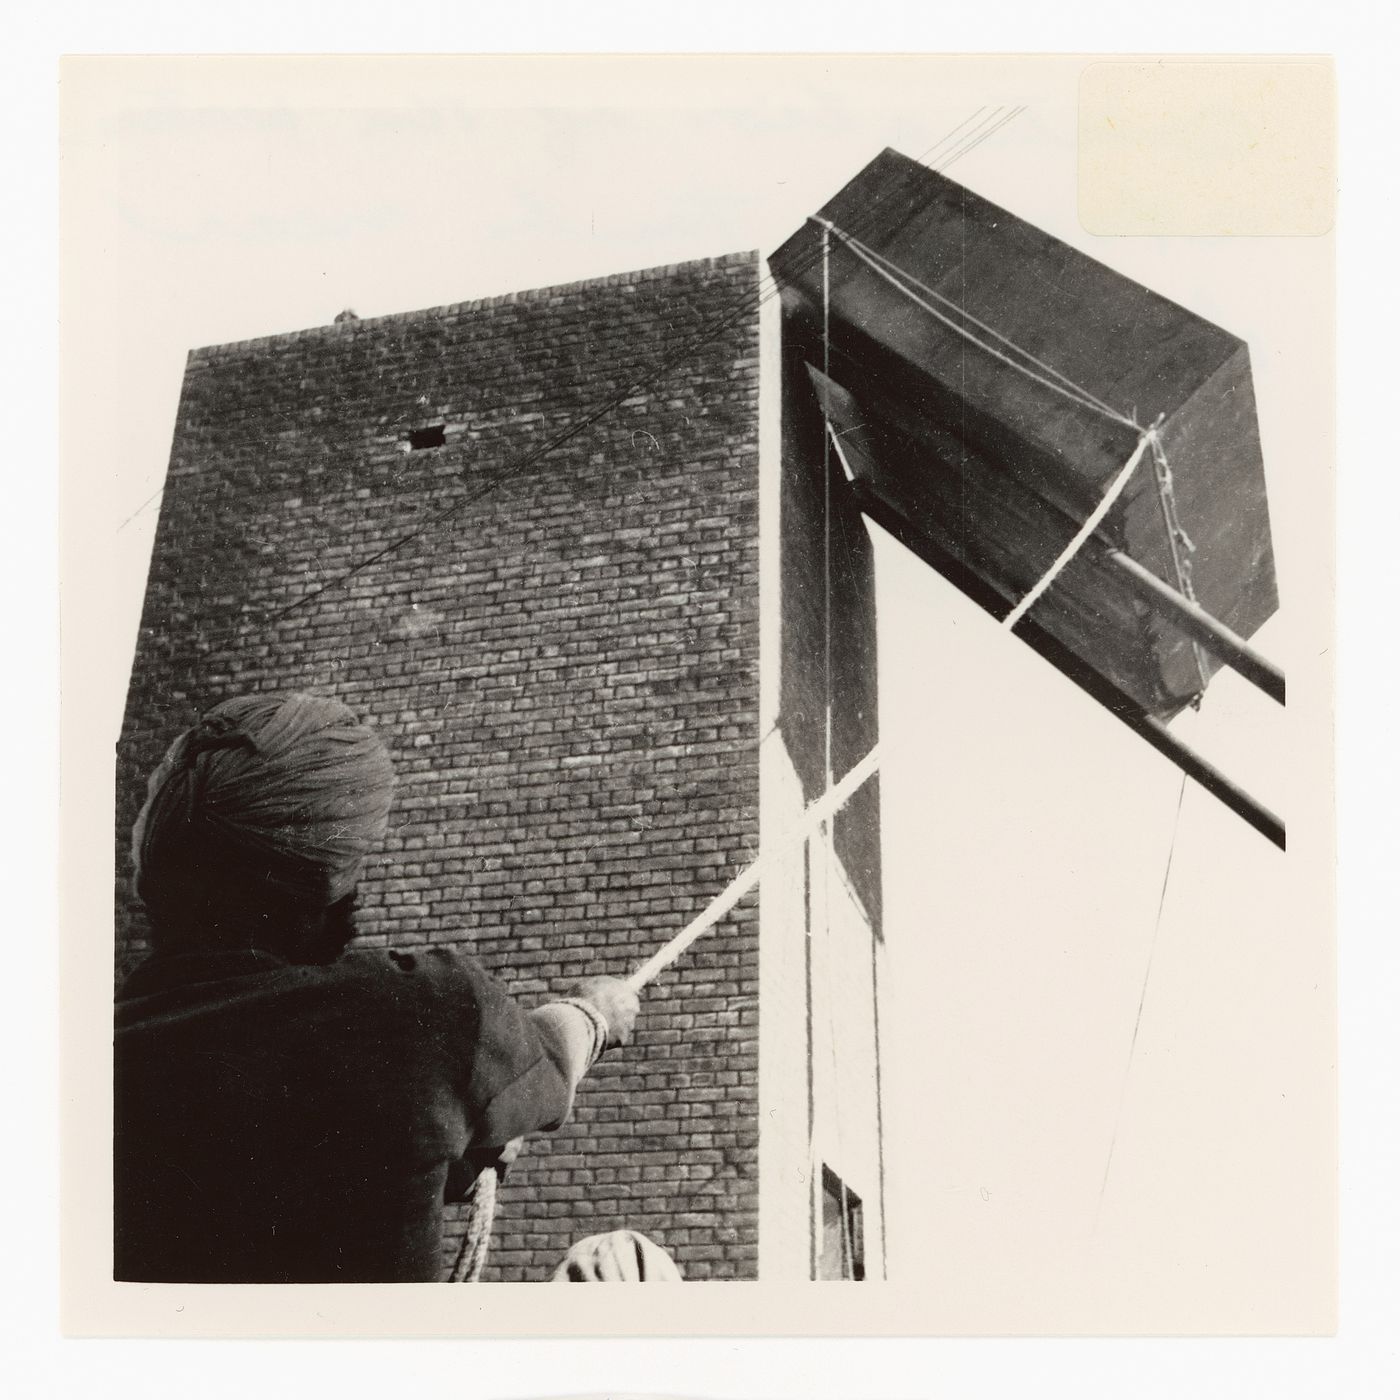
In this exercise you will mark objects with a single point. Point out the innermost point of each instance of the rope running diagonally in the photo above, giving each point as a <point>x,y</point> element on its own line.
<point>1116,488</point>
<point>482,1197</point>
<point>817,812</point>
<point>481,1202</point>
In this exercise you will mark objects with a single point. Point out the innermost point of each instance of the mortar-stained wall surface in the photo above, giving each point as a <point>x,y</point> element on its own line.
<point>565,669</point>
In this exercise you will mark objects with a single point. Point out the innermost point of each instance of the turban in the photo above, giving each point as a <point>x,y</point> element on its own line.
<point>279,794</point>
<point>621,1256</point>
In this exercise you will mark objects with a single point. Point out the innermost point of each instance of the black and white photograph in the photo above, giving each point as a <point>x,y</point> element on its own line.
<point>709,671</point>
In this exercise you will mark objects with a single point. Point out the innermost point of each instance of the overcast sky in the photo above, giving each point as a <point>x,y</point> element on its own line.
<point>1026,832</point>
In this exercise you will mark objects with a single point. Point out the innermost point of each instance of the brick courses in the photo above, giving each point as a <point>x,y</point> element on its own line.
<point>566,671</point>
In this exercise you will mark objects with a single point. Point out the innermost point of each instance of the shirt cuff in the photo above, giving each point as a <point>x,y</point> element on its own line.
<point>596,1019</point>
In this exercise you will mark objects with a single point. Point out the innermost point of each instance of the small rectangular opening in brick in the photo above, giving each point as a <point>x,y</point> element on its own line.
<point>434,435</point>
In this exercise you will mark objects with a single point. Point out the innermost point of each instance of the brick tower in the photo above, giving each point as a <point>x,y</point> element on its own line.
<point>603,661</point>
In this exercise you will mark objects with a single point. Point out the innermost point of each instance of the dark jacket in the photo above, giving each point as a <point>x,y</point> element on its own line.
<point>282,1123</point>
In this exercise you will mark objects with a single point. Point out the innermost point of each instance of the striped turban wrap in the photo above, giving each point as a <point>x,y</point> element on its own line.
<point>276,798</point>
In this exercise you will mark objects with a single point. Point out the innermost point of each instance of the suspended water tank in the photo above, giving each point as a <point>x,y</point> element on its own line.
<point>986,384</point>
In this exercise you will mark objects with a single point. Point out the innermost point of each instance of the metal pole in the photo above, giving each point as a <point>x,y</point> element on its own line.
<point>884,514</point>
<point>1209,776</point>
<point>1201,627</point>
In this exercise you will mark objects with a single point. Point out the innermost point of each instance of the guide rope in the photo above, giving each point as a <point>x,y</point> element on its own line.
<point>817,812</point>
<point>1115,490</point>
<point>481,1199</point>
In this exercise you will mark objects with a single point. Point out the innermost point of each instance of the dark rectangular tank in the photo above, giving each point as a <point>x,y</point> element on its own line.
<point>977,370</point>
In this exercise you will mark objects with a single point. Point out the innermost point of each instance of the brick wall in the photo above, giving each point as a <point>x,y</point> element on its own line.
<point>566,671</point>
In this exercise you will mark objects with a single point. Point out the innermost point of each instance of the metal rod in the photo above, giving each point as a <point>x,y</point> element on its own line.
<point>1200,626</point>
<point>1209,777</point>
<point>1149,727</point>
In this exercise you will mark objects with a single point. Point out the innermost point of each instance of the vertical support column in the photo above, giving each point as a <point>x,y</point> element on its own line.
<point>819,1106</point>
<point>784,1215</point>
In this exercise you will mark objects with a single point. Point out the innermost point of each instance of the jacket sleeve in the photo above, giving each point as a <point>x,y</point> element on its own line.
<point>522,1066</point>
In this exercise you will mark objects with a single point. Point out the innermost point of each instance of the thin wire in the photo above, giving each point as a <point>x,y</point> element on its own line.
<point>838,1135</point>
<point>702,339</point>
<point>950,134</point>
<point>476,1242</point>
<point>990,330</point>
<point>1075,395</point>
<point>879,1099</point>
<point>973,145</point>
<point>1142,1000</point>
<point>826,502</point>
<point>826,833</point>
<point>748,304</point>
<point>473,1253</point>
<point>813,1199</point>
<point>154,496</point>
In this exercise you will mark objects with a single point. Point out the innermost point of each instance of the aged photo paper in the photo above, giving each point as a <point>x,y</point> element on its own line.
<point>580,422</point>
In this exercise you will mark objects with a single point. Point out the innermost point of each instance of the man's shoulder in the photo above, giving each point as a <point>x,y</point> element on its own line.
<point>427,971</point>
<point>431,986</point>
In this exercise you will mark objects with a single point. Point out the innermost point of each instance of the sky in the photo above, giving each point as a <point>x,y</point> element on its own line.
<point>1040,1173</point>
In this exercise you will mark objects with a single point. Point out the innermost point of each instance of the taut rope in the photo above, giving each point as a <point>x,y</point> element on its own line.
<point>481,1200</point>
